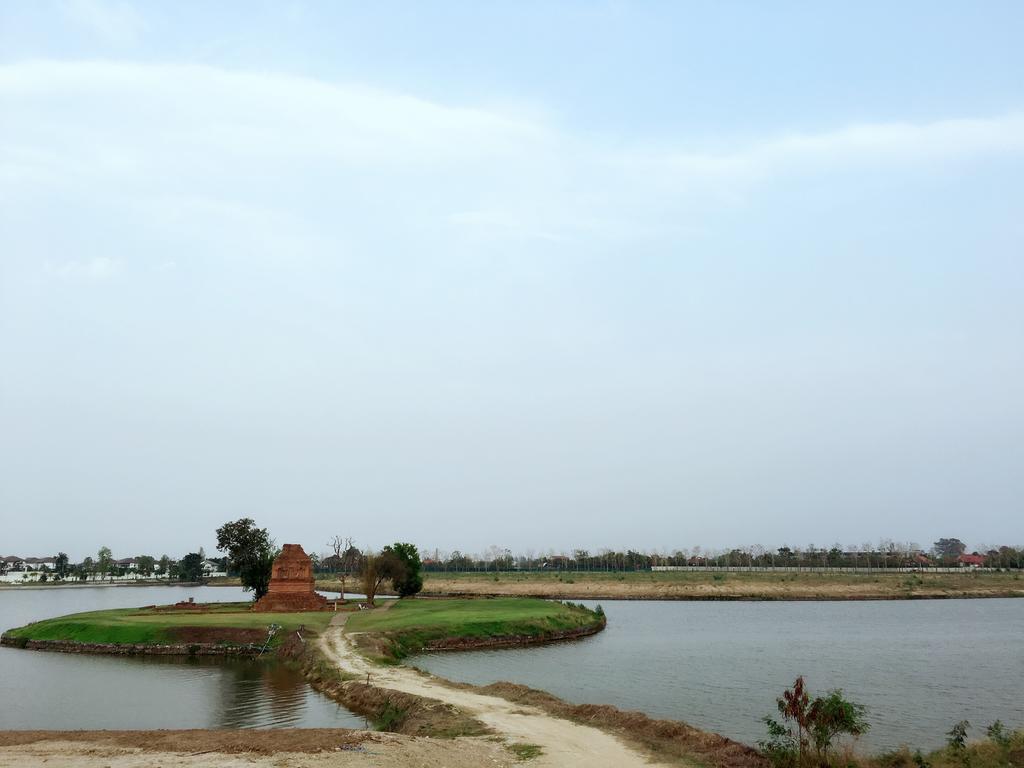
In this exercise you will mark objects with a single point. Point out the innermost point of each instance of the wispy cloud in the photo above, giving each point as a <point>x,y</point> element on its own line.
<point>892,143</point>
<point>305,162</point>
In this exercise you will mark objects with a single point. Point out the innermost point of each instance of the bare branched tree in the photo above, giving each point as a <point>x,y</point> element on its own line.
<point>342,547</point>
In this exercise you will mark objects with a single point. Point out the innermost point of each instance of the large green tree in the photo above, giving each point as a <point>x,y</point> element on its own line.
<point>949,549</point>
<point>406,576</point>
<point>250,552</point>
<point>375,569</point>
<point>191,567</point>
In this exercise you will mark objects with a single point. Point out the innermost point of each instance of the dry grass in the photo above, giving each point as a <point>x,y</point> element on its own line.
<point>680,585</point>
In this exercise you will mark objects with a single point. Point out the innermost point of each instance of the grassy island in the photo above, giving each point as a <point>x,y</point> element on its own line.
<point>170,628</point>
<point>451,624</point>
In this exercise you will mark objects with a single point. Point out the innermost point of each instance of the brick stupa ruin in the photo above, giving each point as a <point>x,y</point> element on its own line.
<point>291,584</point>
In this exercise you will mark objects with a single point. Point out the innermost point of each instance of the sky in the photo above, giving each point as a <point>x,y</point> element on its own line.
<point>536,275</point>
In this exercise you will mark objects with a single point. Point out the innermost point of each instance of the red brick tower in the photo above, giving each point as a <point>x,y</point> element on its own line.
<point>291,584</point>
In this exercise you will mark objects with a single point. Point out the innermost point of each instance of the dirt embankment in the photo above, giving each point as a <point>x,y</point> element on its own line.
<point>189,641</point>
<point>508,641</point>
<point>727,587</point>
<point>274,748</point>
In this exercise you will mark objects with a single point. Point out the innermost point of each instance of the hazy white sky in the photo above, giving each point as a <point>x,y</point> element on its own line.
<point>560,275</point>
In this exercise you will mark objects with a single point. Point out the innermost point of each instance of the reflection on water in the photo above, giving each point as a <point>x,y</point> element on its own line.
<point>69,691</point>
<point>919,666</point>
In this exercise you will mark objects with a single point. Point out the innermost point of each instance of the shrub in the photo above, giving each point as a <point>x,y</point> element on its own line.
<point>818,722</point>
<point>956,742</point>
<point>390,717</point>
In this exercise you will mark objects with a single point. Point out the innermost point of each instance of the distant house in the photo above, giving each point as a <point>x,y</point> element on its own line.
<point>971,561</point>
<point>920,559</point>
<point>40,563</point>
<point>212,568</point>
<point>128,563</point>
<point>12,563</point>
<point>557,562</point>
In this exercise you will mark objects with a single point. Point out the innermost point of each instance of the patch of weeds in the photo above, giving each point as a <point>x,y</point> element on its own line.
<point>524,751</point>
<point>390,717</point>
<point>718,576</point>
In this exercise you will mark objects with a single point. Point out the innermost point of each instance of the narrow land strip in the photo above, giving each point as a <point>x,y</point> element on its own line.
<point>562,742</point>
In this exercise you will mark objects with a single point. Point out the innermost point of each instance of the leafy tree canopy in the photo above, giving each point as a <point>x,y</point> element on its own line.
<point>250,552</point>
<point>191,567</point>
<point>406,567</point>
<point>949,548</point>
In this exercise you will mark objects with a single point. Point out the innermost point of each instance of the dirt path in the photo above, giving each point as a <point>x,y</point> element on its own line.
<point>564,744</point>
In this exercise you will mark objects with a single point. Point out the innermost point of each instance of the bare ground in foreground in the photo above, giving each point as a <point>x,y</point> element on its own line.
<point>310,748</point>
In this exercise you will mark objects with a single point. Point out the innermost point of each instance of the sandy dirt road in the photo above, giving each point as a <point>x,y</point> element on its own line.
<point>565,744</point>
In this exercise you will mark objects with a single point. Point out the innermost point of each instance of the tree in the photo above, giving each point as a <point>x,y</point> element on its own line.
<point>165,565</point>
<point>342,560</point>
<point>378,568</point>
<point>250,552</point>
<point>146,564</point>
<point>832,716</point>
<point>191,567</point>
<point>406,577</point>
<point>949,548</point>
<point>818,721</point>
<point>104,559</point>
<point>62,564</point>
<point>956,743</point>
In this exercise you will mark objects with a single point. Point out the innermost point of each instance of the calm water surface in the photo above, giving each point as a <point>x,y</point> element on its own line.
<point>919,666</point>
<point>70,691</point>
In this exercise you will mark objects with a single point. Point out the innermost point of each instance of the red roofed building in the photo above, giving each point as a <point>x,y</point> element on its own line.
<point>971,561</point>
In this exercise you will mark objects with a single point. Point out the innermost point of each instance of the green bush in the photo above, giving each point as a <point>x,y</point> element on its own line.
<point>818,722</point>
<point>390,717</point>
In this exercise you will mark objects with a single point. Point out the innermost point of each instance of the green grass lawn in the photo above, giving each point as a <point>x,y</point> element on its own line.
<point>144,625</point>
<point>411,624</point>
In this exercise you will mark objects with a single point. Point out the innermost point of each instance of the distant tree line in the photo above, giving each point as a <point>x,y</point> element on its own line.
<point>249,554</point>
<point>947,552</point>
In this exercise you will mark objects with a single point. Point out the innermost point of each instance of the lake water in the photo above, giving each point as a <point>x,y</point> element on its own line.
<point>919,666</point>
<point>42,690</point>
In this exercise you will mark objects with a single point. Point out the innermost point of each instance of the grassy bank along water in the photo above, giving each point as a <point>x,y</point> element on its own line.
<point>210,626</point>
<point>412,625</point>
